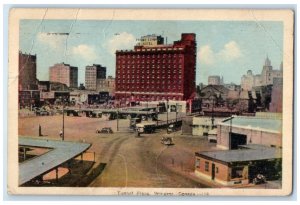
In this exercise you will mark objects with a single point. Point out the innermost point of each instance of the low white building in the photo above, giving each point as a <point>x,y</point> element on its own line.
<point>205,126</point>
<point>243,130</point>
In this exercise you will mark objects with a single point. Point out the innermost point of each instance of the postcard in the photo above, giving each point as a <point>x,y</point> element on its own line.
<point>150,102</point>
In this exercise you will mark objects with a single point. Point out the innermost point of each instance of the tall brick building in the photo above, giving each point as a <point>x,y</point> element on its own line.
<point>27,72</point>
<point>64,73</point>
<point>93,74</point>
<point>156,71</point>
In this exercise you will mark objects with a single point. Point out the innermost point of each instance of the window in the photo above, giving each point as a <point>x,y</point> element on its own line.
<point>206,166</point>
<point>237,172</point>
<point>197,165</point>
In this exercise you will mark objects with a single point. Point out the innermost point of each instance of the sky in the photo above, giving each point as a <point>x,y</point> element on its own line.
<point>225,48</point>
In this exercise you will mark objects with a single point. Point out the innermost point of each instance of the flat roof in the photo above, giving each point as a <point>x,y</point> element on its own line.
<point>267,124</point>
<point>242,155</point>
<point>253,146</point>
<point>60,152</point>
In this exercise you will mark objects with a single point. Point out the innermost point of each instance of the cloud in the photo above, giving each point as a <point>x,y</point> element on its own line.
<point>230,52</point>
<point>51,40</point>
<point>206,55</point>
<point>84,51</point>
<point>121,41</point>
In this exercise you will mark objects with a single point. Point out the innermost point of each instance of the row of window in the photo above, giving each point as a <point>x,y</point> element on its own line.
<point>164,61</point>
<point>133,81</point>
<point>162,87</point>
<point>149,98</point>
<point>206,168</point>
<point>143,97</point>
<point>153,66</point>
<point>143,56</point>
<point>148,71</point>
<point>177,77</point>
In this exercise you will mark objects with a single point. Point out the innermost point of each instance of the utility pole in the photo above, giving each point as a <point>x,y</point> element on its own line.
<point>63,125</point>
<point>176,113</point>
<point>230,132</point>
<point>167,112</point>
<point>118,118</point>
<point>147,108</point>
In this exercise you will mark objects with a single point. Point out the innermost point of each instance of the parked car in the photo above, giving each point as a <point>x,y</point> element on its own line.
<point>105,130</point>
<point>41,112</point>
<point>167,141</point>
<point>173,128</point>
<point>259,179</point>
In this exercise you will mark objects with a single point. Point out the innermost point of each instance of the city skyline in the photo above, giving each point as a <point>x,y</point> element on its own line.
<point>220,45</point>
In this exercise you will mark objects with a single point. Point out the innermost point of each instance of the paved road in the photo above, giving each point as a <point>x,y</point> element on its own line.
<point>130,161</point>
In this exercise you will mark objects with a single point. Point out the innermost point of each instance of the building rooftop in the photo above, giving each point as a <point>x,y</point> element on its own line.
<point>257,123</point>
<point>60,152</point>
<point>241,155</point>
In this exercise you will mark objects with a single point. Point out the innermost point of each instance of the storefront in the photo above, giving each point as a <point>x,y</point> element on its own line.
<point>235,167</point>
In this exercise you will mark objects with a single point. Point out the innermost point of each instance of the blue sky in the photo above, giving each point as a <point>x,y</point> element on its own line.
<point>226,48</point>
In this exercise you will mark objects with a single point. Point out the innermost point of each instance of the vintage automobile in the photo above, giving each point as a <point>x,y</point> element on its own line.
<point>167,141</point>
<point>105,130</point>
<point>173,128</point>
<point>259,179</point>
<point>41,112</point>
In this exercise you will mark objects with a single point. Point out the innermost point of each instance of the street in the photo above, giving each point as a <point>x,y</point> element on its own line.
<point>130,161</point>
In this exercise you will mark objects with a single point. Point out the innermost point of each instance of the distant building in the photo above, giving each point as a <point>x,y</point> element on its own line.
<point>29,98</point>
<point>213,95</point>
<point>249,81</point>
<point>232,86</point>
<point>27,72</point>
<point>202,126</point>
<point>106,85</point>
<point>46,86</point>
<point>263,97</point>
<point>155,71</point>
<point>93,74</point>
<point>64,73</point>
<point>79,97</point>
<point>215,80</point>
<point>266,77</point>
<point>268,74</point>
<point>276,101</point>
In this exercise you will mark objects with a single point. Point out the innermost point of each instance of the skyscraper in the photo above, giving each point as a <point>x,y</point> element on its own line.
<point>156,71</point>
<point>27,72</point>
<point>64,73</point>
<point>93,74</point>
